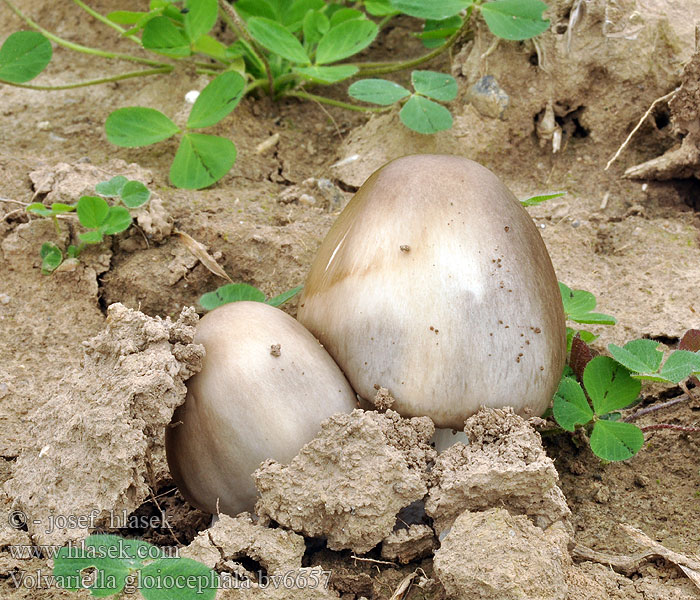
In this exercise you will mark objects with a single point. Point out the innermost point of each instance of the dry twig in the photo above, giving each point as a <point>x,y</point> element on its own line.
<point>628,565</point>
<point>14,201</point>
<point>655,407</point>
<point>372,560</point>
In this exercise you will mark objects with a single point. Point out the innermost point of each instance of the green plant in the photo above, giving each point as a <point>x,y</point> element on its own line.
<point>507,19</point>
<point>56,209</point>
<point>594,389</point>
<point>643,360</point>
<point>283,48</point>
<point>108,565</point>
<point>534,200</point>
<point>237,292</point>
<point>610,389</point>
<point>578,307</point>
<point>94,214</point>
<point>420,112</point>
<point>201,159</point>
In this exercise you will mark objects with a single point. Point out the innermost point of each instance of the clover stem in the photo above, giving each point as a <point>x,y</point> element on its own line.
<point>206,65</point>
<point>70,86</point>
<point>79,48</point>
<point>56,225</point>
<point>238,26</point>
<point>256,83</point>
<point>285,78</point>
<point>390,67</point>
<point>207,71</point>
<point>550,431</point>
<point>106,21</point>
<point>225,12</point>
<point>384,21</point>
<point>324,100</point>
<point>684,386</point>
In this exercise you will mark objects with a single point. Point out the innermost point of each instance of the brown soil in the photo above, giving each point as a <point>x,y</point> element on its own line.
<point>634,244</point>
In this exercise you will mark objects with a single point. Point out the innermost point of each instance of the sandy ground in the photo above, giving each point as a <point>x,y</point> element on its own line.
<point>634,244</point>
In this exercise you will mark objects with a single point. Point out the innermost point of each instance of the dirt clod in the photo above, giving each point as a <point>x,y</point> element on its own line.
<point>320,193</point>
<point>349,483</point>
<point>229,539</point>
<point>63,182</point>
<point>98,444</point>
<point>497,556</point>
<point>407,545</point>
<point>382,399</point>
<point>503,465</point>
<point>154,221</point>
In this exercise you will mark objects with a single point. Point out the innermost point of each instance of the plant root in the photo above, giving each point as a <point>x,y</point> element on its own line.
<point>639,124</point>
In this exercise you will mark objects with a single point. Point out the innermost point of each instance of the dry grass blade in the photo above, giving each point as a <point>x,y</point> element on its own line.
<point>199,251</point>
<point>403,586</point>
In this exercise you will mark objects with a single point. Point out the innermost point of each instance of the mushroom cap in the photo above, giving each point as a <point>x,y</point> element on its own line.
<point>247,404</point>
<point>435,283</point>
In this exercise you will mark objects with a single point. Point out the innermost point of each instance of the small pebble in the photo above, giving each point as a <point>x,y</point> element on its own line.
<point>602,494</point>
<point>487,97</point>
<point>331,193</point>
<point>267,144</point>
<point>345,161</point>
<point>641,480</point>
<point>307,200</point>
<point>70,264</point>
<point>191,96</point>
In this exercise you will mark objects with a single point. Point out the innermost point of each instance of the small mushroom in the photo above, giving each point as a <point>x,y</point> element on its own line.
<point>471,316</point>
<point>247,404</point>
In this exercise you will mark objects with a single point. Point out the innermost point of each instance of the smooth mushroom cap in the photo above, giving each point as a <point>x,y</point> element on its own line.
<point>247,404</point>
<point>435,283</point>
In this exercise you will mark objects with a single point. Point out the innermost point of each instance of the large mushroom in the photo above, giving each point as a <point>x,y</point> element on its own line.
<point>435,283</point>
<point>264,388</point>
